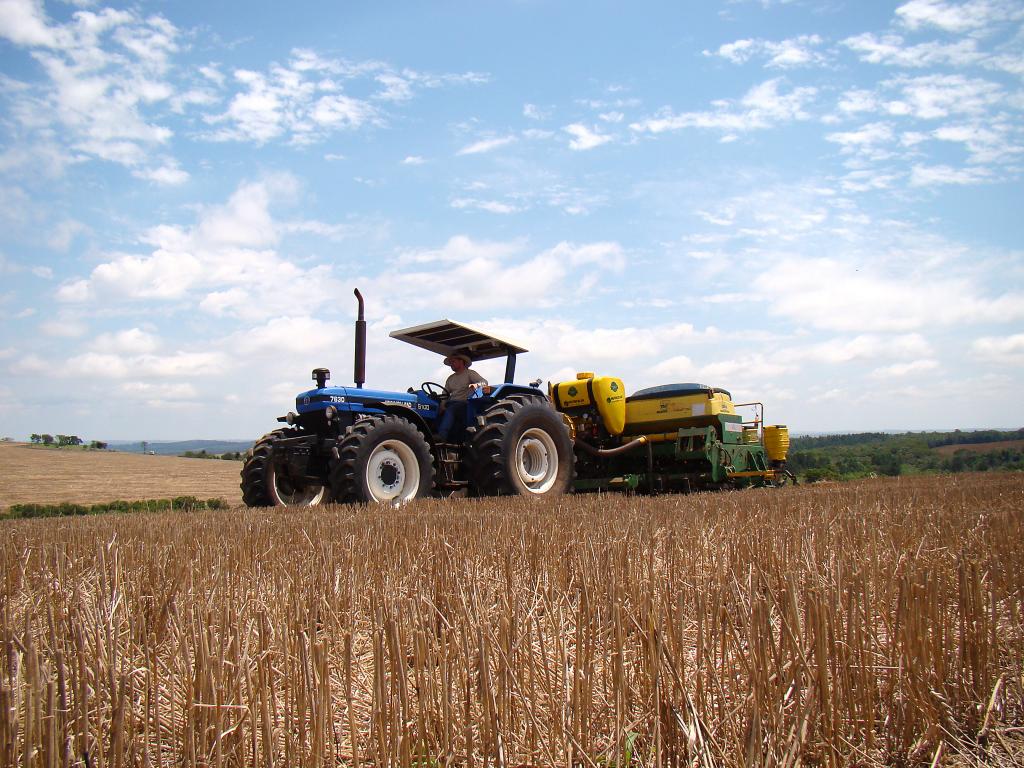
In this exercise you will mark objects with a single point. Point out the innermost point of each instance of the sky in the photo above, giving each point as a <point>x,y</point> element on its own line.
<point>814,205</point>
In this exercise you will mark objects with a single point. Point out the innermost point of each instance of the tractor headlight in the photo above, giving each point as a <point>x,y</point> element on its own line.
<point>330,412</point>
<point>290,418</point>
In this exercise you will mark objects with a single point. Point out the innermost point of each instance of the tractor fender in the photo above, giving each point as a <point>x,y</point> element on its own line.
<point>502,391</point>
<point>409,415</point>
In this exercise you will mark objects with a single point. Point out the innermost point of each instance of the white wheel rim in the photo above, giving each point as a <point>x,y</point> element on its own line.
<point>392,473</point>
<point>536,460</point>
<point>308,496</point>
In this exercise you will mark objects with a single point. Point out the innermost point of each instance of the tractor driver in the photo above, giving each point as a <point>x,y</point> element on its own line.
<point>460,385</point>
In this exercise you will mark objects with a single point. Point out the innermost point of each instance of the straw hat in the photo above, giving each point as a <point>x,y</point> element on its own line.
<point>464,358</point>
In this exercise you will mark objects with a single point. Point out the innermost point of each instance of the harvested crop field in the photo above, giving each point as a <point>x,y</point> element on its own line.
<point>36,475</point>
<point>877,622</point>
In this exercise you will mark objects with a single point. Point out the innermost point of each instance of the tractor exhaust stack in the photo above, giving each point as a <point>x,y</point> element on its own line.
<point>360,361</point>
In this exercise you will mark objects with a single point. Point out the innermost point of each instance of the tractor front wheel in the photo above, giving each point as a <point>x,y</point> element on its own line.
<point>382,460</point>
<point>524,448</point>
<point>266,481</point>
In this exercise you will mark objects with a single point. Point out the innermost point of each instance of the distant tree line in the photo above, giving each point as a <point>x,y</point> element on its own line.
<point>229,456</point>
<point>63,441</point>
<point>844,457</point>
<point>974,438</point>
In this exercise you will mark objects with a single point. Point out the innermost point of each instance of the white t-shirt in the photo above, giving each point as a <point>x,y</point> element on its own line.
<point>458,383</point>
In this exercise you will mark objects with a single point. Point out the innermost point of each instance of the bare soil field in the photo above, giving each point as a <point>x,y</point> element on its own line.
<point>872,623</point>
<point>32,474</point>
<point>949,450</point>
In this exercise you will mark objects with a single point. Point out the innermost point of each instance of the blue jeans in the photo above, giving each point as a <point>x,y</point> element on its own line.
<point>453,421</point>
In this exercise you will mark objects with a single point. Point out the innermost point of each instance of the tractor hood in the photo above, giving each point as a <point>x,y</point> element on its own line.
<point>351,398</point>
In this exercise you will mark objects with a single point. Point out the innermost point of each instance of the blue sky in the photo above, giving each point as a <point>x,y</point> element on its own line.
<point>814,205</point>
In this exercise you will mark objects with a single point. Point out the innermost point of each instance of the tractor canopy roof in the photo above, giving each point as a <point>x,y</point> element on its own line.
<point>446,337</point>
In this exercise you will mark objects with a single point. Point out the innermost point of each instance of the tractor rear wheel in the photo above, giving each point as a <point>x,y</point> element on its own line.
<point>267,483</point>
<point>382,460</point>
<point>524,448</point>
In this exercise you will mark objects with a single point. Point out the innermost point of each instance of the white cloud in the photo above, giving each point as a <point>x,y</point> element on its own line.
<point>486,145</point>
<point>64,233</point>
<point>226,264</point>
<point>396,88</point>
<point>860,348</point>
<point>762,107</point>
<point>899,370</point>
<point>678,367</point>
<point>287,101</point>
<point>968,16</point>
<point>776,213</point>
<point>893,50</point>
<point>99,365</point>
<point>64,328</point>
<point>564,347</point>
<point>491,206</point>
<point>494,276</point>
<point>1000,350</point>
<point>869,135</point>
<point>585,138</point>
<point>785,54</point>
<point>832,295</point>
<point>292,335</point>
<point>462,248</point>
<point>413,160</point>
<point>335,232</point>
<point>858,100</point>
<point>154,394</point>
<point>936,175</point>
<point>104,70</point>
<point>23,22</point>
<point>168,174</point>
<point>987,141</point>
<point>133,341</point>
<point>868,180</point>
<point>163,275</point>
<point>936,96</point>
<point>533,112</point>
<point>737,52</point>
<point>303,100</point>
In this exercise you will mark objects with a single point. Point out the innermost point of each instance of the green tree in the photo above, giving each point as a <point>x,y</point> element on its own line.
<point>47,439</point>
<point>35,438</point>
<point>817,474</point>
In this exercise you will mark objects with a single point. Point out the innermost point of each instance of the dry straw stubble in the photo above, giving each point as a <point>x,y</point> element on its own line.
<point>876,622</point>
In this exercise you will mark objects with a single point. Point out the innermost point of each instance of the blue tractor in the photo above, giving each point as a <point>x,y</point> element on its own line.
<point>350,444</point>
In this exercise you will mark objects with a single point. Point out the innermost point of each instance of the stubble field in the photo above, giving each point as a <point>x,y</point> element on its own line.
<point>32,474</point>
<point>858,624</point>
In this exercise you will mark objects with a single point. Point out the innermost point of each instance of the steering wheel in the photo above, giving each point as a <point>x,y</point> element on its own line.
<point>435,390</point>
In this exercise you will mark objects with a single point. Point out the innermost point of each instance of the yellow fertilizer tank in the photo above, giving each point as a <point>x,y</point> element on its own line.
<point>668,407</point>
<point>776,442</point>
<point>606,393</point>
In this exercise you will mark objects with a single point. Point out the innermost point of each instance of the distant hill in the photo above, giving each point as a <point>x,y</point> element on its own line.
<point>180,446</point>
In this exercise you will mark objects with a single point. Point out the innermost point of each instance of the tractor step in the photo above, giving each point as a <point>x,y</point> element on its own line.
<point>449,465</point>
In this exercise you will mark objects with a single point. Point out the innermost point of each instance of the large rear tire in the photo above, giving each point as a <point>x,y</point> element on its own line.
<point>267,483</point>
<point>382,460</point>
<point>524,448</point>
